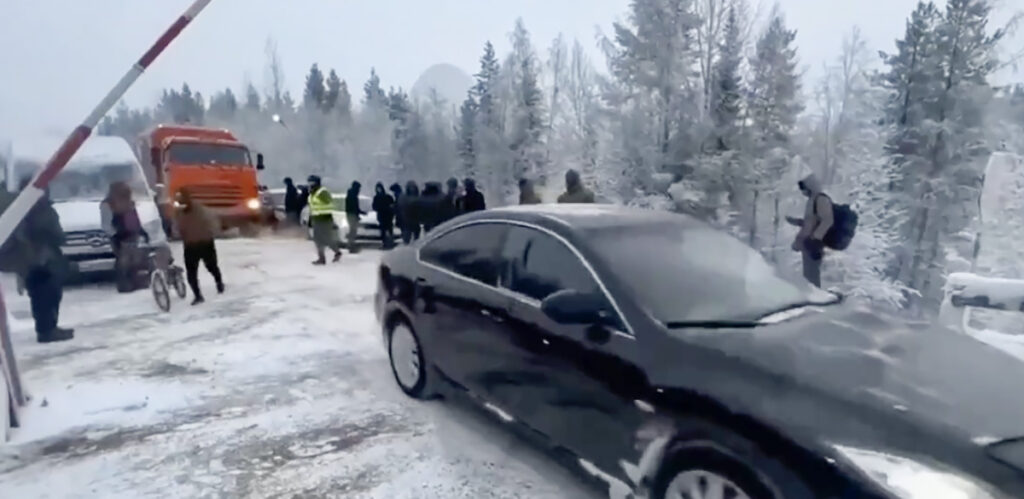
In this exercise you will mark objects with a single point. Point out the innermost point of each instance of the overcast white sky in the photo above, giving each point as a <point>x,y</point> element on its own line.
<point>58,57</point>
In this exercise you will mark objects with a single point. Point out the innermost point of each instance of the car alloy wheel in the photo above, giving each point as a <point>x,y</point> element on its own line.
<point>701,484</point>
<point>406,359</point>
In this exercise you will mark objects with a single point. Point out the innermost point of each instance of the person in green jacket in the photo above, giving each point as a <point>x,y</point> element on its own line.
<point>33,253</point>
<point>575,192</point>
<point>321,219</point>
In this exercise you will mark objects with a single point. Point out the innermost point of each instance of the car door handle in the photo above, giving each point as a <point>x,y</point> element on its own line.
<point>496,317</point>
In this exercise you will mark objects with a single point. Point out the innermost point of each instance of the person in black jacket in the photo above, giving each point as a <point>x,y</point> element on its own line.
<point>384,206</point>
<point>432,207</point>
<point>352,213</point>
<point>408,209</point>
<point>292,206</point>
<point>451,200</point>
<point>472,200</point>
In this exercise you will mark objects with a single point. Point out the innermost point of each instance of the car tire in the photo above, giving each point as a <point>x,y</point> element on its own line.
<point>711,457</point>
<point>408,363</point>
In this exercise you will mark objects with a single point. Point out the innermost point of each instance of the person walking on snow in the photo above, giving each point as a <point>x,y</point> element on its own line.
<point>384,207</point>
<point>352,213</point>
<point>527,194</point>
<point>321,220</point>
<point>33,253</point>
<point>817,220</point>
<point>575,192</point>
<point>409,211</point>
<point>198,228</point>
<point>472,200</point>
<point>120,220</point>
<point>432,207</point>
<point>451,200</point>
<point>292,205</point>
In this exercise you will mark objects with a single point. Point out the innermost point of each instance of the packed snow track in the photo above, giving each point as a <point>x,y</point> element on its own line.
<point>278,388</point>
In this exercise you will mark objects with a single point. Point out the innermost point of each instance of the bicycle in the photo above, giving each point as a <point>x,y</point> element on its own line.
<point>164,276</point>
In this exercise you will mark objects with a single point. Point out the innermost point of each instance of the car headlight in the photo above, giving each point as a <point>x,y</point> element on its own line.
<point>253,204</point>
<point>910,479</point>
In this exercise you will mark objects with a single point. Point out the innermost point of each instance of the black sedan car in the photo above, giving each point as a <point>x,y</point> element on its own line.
<point>672,361</point>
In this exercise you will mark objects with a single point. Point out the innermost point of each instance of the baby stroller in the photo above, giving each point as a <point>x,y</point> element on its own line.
<point>164,276</point>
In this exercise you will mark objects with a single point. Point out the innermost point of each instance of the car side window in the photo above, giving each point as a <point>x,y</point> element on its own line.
<point>536,264</point>
<point>469,251</point>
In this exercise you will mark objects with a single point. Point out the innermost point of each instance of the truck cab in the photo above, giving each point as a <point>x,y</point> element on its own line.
<point>76,193</point>
<point>212,163</point>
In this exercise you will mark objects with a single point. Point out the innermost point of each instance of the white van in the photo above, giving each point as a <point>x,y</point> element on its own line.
<point>79,189</point>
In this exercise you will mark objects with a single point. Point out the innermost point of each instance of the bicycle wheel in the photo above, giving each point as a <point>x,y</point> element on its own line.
<point>178,281</point>
<point>160,292</point>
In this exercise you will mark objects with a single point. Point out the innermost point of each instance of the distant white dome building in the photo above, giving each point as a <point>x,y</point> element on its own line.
<point>450,82</point>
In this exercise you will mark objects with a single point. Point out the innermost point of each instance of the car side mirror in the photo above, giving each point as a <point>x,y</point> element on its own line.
<point>569,306</point>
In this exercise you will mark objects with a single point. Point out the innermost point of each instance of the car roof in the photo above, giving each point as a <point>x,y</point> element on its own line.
<point>587,217</point>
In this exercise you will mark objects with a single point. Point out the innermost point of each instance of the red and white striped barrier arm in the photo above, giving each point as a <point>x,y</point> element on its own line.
<point>11,217</point>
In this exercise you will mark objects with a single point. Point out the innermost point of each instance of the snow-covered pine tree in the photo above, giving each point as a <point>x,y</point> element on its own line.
<point>727,87</point>
<point>526,127</point>
<point>466,135</point>
<point>333,85</point>
<point>941,147</point>
<point>315,89</point>
<point>373,92</point>
<point>252,98</point>
<point>343,105</point>
<point>655,92</point>
<point>223,106</point>
<point>486,82</point>
<point>773,105</point>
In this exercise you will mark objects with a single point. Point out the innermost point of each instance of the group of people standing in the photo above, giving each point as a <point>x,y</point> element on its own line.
<point>409,210</point>
<point>415,213</point>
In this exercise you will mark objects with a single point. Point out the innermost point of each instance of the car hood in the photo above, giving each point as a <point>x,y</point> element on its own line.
<point>85,214</point>
<point>925,373</point>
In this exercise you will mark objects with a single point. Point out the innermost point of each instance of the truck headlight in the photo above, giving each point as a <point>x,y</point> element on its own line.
<point>910,479</point>
<point>253,204</point>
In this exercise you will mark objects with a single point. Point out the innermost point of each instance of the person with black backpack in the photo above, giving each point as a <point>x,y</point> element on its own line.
<point>824,225</point>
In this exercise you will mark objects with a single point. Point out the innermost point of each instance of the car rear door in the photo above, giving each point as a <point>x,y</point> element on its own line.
<point>461,305</point>
<point>583,381</point>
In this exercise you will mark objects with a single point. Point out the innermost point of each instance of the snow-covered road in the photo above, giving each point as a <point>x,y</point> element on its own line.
<point>278,388</point>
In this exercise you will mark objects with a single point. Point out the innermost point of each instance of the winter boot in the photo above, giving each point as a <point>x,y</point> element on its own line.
<point>220,288</point>
<point>337,257</point>
<point>198,300</point>
<point>58,334</point>
<point>320,262</point>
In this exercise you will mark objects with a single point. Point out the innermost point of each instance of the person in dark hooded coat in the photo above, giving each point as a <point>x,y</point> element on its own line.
<point>451,206</point>
<point>817,220</point>
<point>432,206</point>
<point>472,200</point>
<point>384,207</point>
<point>409,210</point>
<point>292,205</point>
<point>352,215</point>
<point>527,194</point>
<point>575,192</point>
<point>33,252</point>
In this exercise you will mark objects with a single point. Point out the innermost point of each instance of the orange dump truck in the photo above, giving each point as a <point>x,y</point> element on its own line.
<point>212,163</point>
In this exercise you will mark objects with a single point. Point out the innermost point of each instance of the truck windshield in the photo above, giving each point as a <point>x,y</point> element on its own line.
<point>88,182</point>
<point>207,154</point>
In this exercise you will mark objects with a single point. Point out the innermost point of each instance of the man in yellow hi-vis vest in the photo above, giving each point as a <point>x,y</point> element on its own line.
<point>321,219</point>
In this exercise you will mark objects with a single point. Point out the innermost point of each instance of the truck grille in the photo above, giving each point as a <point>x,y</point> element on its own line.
<point>217,195</point>
<point>86,238</point>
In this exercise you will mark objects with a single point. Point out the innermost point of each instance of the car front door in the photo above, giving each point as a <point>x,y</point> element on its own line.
<point>464,310</point>
<point>583,382</point>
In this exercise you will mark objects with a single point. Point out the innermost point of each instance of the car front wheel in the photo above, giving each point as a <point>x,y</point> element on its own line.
<point>408,362</point>
<point>713,462</point>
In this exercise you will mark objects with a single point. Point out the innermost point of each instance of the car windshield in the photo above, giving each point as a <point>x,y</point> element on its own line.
<point>89,182</point>
<point>207,154</point>
<point>684,274</point>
